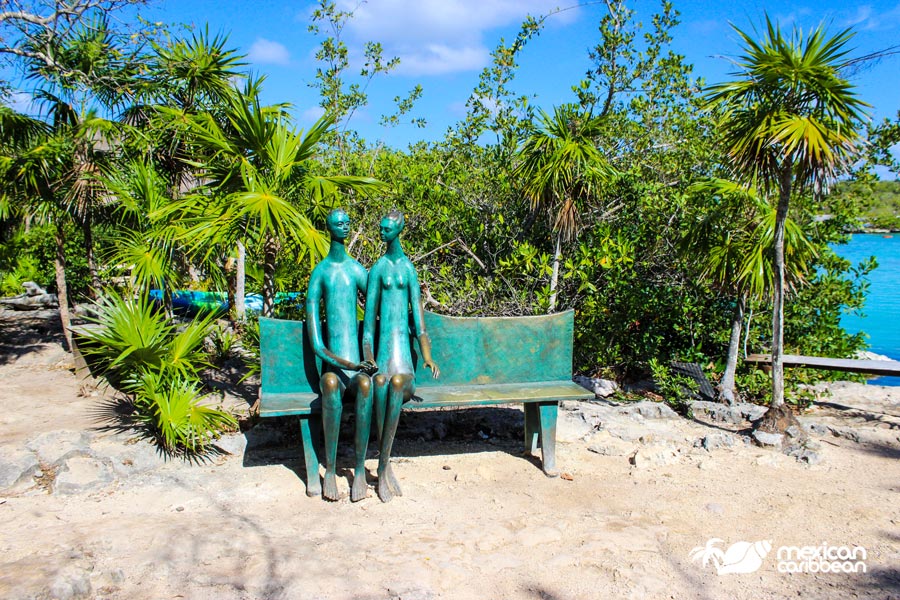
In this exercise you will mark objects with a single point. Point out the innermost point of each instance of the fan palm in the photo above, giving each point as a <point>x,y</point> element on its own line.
<point>788,123</point>
<point>260,172</point>
<point>560,169</point>
<point>731,243</point>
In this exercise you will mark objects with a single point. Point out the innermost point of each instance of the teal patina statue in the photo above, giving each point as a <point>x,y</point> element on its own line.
<point>338,280</point>
<point>393,291</point>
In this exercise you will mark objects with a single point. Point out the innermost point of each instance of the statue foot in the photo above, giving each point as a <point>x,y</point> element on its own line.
<point>330,491</point>
<point>384,491</point>
<point>360,488</point>
<point>391,481</point>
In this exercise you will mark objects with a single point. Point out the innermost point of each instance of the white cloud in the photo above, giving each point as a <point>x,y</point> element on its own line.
<point>865,18</point>
<point>313,113</point>
<point>441,36</point>
<point>267,52</point>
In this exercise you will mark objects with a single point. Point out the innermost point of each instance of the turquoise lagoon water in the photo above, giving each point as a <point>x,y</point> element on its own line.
<point>882,309</point>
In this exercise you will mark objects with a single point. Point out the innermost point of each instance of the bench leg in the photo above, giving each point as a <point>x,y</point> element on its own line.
<point>532,428</point>
<point>313,485</point>
<point>548,412</point>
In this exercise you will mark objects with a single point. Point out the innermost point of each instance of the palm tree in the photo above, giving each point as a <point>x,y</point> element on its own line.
<point>264,186</point>
<point>561,169</point>
<point>731,244</point>
<point>789,122</point>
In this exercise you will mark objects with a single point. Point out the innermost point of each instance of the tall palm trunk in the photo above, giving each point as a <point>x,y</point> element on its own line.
<point>270,253</point>
<point>87,231</point>
<point>240,311</point>
<point>784,196</point>
<point>554,276</point>
<point>62,292</point>
<point>726,387</point>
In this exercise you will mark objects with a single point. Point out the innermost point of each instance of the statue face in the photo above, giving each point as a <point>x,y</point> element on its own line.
<point>338,225</point>
<point>390,229</point>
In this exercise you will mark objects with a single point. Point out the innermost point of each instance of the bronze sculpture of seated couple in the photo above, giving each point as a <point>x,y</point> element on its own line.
<point>384,374</point>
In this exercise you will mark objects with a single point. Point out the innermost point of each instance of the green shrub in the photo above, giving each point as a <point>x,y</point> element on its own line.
<point>142,353</point>
<point>676,390</point>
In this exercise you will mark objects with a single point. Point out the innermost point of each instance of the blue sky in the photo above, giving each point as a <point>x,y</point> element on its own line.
<point>444,44</point>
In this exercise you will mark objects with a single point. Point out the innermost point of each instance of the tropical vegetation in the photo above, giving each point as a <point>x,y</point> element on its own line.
<point>668,214</point>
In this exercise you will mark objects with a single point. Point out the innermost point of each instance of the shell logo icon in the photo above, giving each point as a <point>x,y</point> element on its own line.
<point>740,557</point>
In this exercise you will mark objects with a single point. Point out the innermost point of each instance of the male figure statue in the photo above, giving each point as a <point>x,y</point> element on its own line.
<point>338,280</point>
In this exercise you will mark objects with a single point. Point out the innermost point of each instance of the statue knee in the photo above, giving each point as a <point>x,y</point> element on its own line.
<point>364,383</point>
<point>398,382</point>
<point>380,380</point>
<point>330,384</point>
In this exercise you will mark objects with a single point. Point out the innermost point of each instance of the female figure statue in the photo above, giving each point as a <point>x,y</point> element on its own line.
<point>393,291</point>
<point>337,282</point>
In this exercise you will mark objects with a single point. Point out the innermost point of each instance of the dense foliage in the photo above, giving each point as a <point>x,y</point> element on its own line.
<point>177,176</point>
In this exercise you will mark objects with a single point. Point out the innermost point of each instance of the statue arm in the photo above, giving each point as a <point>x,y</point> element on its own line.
<point>313,327</point>
<point>418,310</point>
<point>373,298</point>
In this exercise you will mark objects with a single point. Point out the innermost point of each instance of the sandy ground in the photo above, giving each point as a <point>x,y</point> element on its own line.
<point>104,516</point>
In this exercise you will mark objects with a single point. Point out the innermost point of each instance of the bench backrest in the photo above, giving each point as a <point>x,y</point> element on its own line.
<point>468,350</point>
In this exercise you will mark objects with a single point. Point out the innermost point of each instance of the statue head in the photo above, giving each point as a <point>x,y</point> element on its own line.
<point>338,223</point>
<point>391,226</point>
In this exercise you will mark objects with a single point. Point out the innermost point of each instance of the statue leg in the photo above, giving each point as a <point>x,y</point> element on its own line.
<point>400,388</point>
<point>363,389</point>
<point>331,424</point>
<point>381,394</point>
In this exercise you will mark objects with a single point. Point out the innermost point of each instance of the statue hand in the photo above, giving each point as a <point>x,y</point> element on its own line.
<point>368,367</point>
<point>435,371</point>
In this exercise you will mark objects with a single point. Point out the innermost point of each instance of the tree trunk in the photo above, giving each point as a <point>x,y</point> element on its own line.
<point>554,277</point>
<point>270,252</point>
<point>62,292</point>
<point>240,310</point>
<point>87,232</point>
<point>726,387</point>
<point>784,196</point>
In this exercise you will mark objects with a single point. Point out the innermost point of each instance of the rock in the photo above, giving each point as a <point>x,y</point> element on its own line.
<point>649,410</point>
<point>716,441</point>
<point>53,446</point>
<point>81,474</point>
<point>71,586</point>
<point>751,412</point>
<point>602,388</point>
<point>574,426</point>
<point>605,444</point>
<point>720,413</point>
<point>232,443</point>
<point>806,451</point>
<point>34,298</point>
<point>265,434</point>
<point>767,439</point>
<point>654,456</point>
<point>17,467</point>
<point>818,429</point>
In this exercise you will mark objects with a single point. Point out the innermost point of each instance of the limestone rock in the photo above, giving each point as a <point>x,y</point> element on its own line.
<point>17,467</point>
<point>654,456</point>
<point>81,474</point>
<point>717,441</point>
<point>53,446</point>
<point>602,388</point>
<point>772,440</point>
<point>233,443</point>
<point>649,410</point>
